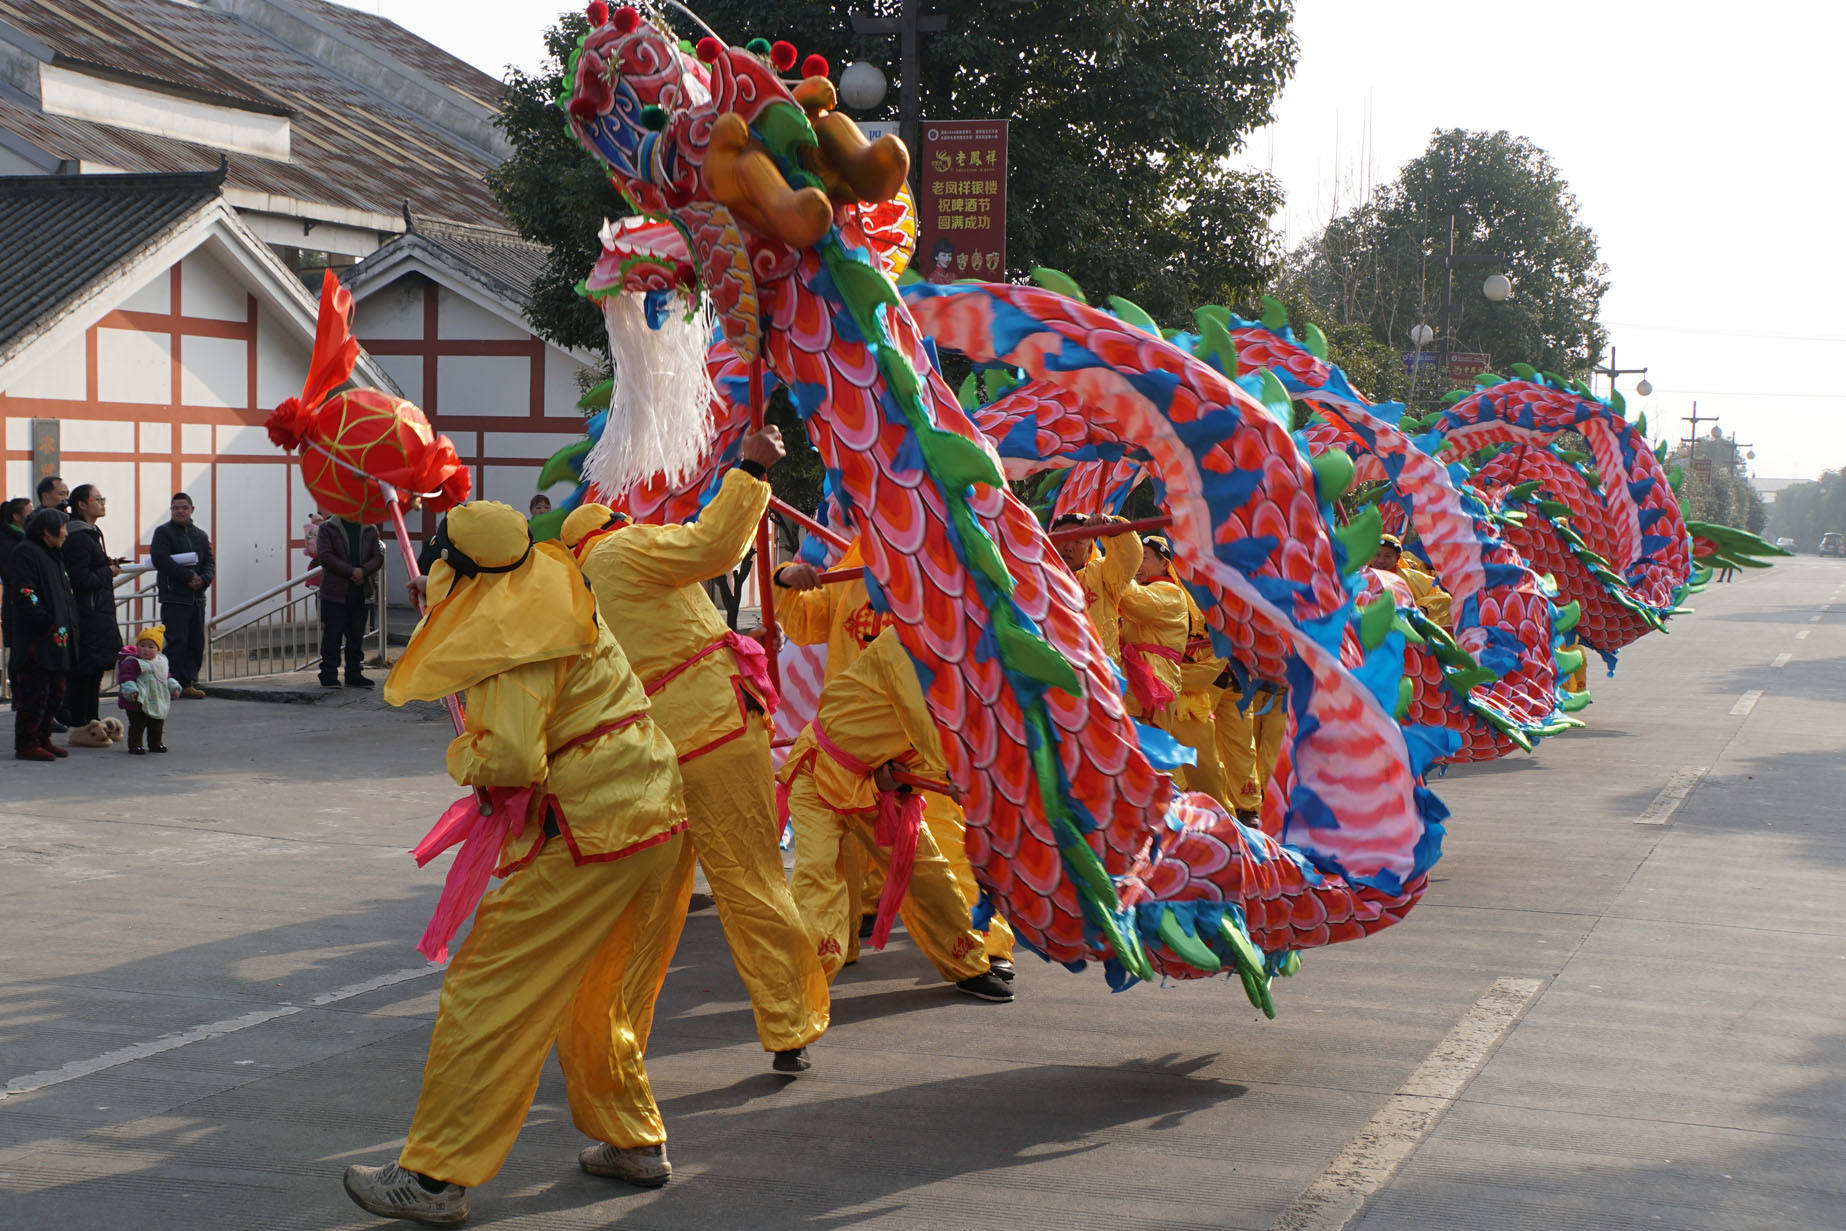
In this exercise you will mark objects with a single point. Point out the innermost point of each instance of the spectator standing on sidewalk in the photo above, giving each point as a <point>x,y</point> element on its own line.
<point>53,493</point>
<point>350,558</point>
<point>183,560</point>
<point>12,538</point>
<point>44,628</point>
<point>92,576</point>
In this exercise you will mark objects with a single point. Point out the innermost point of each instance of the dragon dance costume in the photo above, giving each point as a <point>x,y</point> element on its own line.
<point>711,696</point>
<point>557,723</point>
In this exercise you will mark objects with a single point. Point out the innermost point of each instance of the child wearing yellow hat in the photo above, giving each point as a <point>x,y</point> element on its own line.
<point>146,690</point>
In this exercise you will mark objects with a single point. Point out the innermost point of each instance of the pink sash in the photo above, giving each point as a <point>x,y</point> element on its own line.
<point>752,666</point>
<point>1146,687</point>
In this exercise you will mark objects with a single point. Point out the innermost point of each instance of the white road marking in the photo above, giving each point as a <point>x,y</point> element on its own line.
<point>1672,795</point>
<point>1781,660</point>
<point>1746,703</point>
<point>1803,634</point>
<point>198,1034</point>
<point>1372,1157</point>
<point>1813,619</point>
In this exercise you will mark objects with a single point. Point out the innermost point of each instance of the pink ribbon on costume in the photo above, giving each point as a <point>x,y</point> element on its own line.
<point>1143,684</point>
<point>900,816</point>
<point>481,838</point>
<point>753,665</point>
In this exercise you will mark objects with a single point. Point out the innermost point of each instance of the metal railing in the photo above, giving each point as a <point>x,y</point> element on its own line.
<point>263,636</point>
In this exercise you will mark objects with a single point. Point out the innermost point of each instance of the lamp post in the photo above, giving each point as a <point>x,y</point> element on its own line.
<point>862,86</point>
<point>1613,371</point>
<point>909,25</point>
<point>1496,289</point>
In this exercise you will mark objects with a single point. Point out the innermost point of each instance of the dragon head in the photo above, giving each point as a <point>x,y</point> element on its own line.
<point>751,170</point>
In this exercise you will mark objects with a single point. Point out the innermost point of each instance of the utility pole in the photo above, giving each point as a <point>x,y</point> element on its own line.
<point>1738,459</point>
<point>909,25</point>
<point>1692,439</point>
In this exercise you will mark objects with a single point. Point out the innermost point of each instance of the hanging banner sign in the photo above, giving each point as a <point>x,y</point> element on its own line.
<point>962,183</point>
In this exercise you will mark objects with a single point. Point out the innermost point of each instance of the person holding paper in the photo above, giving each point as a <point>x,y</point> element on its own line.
<point>183,559</point>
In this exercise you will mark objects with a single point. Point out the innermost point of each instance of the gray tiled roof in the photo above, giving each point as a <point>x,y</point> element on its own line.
<point>352,144</point>
<point>500,256</point>
<point>58,233</point>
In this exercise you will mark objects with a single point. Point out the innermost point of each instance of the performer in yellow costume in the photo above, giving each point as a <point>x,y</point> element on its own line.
<point>1168,661</point>
<point>872,726</point>
<point>709,691</point>
<point>1105,570</point>
<point>841,614</point>
<point>1249,742</point>
<point>552,706</point>
<point>1431,599</point>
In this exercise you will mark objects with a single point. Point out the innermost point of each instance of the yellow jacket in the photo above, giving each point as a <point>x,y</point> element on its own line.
<point>1157,616</point>
<point>647,581</point>
<point>577,729</point>
<point>839,613</point>
<point>1109,575</point>
<point>1432,600</point>
<point>873,712</point>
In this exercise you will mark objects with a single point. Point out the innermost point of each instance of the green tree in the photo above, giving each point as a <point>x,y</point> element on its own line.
<point>1380,264</point>
<point>1805,511</point>
<point>1717,488</point>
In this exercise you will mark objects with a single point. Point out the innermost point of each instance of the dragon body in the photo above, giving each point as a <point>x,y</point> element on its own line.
<point>1073,834</point>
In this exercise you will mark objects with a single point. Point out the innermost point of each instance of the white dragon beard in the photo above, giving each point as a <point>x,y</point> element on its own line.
<point>660,414</point>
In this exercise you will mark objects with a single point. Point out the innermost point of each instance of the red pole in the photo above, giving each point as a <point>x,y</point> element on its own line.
<point>809,524</point>
<point>765,568</point>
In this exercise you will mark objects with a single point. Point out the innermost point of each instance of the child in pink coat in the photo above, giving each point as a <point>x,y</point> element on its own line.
<point>146,689</point>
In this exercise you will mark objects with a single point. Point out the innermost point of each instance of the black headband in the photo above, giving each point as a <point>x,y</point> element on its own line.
<point>464,564</point>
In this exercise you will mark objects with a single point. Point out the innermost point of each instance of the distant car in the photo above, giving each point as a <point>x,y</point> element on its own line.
<point>1833,544</point>
<point>1786,544</point>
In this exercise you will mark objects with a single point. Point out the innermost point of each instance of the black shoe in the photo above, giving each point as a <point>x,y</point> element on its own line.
<point>988,986</point>
<point>357,681</point>
<point>137,752</point>
<point>329,682</point>
<point>794,1060</point>
<point>867,925</point>
<point>1002,968</point>
<point>700,901</point>
<point>156,747</point>
<point>58,728</point>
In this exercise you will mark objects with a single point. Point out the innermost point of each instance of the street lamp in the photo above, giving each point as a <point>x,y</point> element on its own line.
<point>1498,288</point>
<point>1645,387</point>
<point>1421,336</point>
<point>862,86</point>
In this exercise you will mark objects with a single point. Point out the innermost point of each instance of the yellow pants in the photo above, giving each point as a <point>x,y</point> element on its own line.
<point>934,911</point>
<point>948,829</point>
<point>1269,727</point>
<point>1236,741</point>
<point>731,819</point>
<point>544,961</point>
<point>1199,734</point>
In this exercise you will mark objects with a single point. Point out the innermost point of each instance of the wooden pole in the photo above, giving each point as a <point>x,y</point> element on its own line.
<point>765,567</point>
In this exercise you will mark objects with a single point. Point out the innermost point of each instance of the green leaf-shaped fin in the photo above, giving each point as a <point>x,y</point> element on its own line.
<point>597,396</point>
<point>1315,341</point>
<point>1525,371</point>
<point>1189,948</point>
<point>1133,313</point>
<point>1569,661</point>
<point>564,466</point>
<point>1360,537</point>
<point>1249,962</point>
<point>1059,281</point>
<point>1375,620</point>
<point>958,462</point>
<point>1215,345</point>
<point>1568,615</point>
<point>1333,474</point>
<point>1275,316</point>
<point>1033,656</point>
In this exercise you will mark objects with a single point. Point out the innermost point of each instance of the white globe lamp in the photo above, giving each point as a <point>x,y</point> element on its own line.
<point>1421,336</point>
<point>1645,388</point>
<point>862,86</point>
<point>1498,288</point>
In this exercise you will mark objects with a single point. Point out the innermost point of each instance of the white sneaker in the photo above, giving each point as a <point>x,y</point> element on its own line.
<point>392,1192</point>
<point>644,1166</point>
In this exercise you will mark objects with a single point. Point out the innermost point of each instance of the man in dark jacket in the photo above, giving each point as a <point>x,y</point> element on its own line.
<point>350,558</point>
<point>44,624</point>
<point>183,559</point>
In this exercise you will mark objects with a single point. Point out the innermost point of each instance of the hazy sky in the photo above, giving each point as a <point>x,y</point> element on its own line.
<point>1703,143</point>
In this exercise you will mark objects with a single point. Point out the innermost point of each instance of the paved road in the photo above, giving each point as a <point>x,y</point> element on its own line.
<point>207,985</point>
